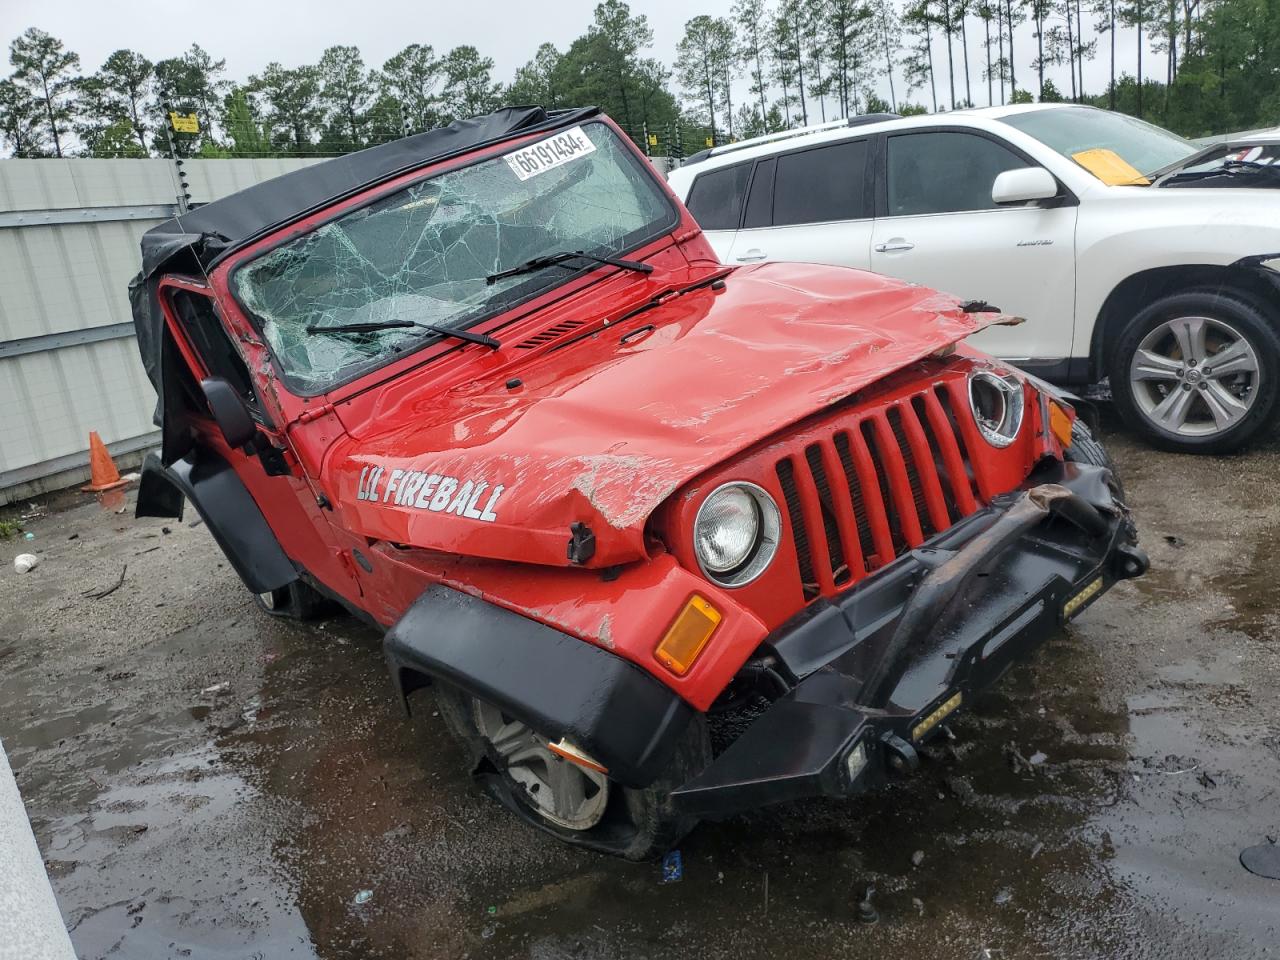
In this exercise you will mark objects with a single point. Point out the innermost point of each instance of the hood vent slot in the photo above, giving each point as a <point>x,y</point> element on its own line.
<point>561,329</point>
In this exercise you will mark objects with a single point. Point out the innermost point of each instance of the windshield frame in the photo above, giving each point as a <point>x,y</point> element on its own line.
<point>534,286</point>
<point>1010,118</point>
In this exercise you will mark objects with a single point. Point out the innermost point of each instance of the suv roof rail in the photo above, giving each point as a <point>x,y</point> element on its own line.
<point>789,134</point>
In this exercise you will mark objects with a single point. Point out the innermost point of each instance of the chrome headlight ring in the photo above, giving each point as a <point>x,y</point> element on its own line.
<point>998,405</point>
<point>736,533</point>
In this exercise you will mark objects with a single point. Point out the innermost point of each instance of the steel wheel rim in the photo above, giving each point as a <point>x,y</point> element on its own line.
<point>1195,376</point>
<point>561,792</point>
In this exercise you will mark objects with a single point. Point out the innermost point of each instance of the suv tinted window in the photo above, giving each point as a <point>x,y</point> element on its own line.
<point>826,183</point>
<point>945,172</point>
<point>716,198</point>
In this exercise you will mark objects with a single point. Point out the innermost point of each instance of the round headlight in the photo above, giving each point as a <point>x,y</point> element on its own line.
<point>997,407</point>
<point>735,534</point>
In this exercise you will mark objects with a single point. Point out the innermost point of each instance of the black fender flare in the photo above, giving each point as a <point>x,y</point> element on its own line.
<point>227,508</point>
<point>560,685</point>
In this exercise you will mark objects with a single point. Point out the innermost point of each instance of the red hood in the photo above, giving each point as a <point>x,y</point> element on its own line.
<point>601,433</point>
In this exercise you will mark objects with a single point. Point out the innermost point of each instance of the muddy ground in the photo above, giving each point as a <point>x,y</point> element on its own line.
<point>207,782</point>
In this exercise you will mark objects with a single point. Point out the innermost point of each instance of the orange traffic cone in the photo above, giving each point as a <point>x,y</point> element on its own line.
<point>103,472</point>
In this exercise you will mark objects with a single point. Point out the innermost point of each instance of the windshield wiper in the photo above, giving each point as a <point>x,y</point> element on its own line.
<point>480,338</point>
<point>551,260</point>
<point>1229,168</point>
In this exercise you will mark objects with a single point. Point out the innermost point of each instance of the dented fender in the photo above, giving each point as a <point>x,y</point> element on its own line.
<point>624,611</point>
<point>551,681</point>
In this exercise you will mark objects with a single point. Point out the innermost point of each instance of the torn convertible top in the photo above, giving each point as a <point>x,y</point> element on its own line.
<point>195,241</point>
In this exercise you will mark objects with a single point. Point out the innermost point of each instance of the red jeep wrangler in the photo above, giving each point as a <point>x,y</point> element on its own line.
<point>669,539</point>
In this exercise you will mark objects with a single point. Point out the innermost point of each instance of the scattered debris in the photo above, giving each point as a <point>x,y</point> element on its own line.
<point>917,858</point>
<point>1017,762</point>
<point>74,536</point>
<point>28,535</point>
<point>492,910</point>
<point>1038,758</point>
<point>1173,541</point>
<point>99,594</point>
<point>1205,780</point>
<point>866,910</point>
<point>918,904</point>
<point>1035,851</point>
<point>1003,896</point>
<point>364,896</point>
<point>166,531</point>
<point>196,522</point>
<point>1263,860</point>
<point>672,867</point>
<point>25,562</point>
<point>216,688</point>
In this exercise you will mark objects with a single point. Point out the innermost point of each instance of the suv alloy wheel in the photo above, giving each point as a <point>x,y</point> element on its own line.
<point>1197,372</point>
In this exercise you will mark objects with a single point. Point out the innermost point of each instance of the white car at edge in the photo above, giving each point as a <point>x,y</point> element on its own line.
<point>1162,286</point>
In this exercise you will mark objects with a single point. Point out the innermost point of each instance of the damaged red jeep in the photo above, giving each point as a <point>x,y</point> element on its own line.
<point>669,539</point>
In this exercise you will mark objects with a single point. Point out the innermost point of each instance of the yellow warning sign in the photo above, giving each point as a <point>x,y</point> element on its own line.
<point>184,123</point>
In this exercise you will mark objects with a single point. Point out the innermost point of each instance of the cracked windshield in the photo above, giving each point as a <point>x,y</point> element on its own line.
<point>421,256</point>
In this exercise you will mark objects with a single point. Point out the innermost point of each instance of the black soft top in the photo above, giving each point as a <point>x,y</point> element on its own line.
<point>194,242</point>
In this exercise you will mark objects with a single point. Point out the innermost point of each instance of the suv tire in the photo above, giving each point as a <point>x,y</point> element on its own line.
<point>297,601</point>
<point>1085,448</point>
<point>1157,380</point>
<point>637,824</point>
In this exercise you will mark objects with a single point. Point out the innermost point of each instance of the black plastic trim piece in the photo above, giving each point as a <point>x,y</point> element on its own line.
<point>561,686</point>
<point>831,652</point>
<point>228,510</point>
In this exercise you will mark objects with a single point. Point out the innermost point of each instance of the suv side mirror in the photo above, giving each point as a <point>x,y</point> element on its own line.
<point>230,412</point>
<point>1019,186</point>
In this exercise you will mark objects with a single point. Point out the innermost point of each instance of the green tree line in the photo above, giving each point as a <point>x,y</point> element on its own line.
<point>1195,66</point>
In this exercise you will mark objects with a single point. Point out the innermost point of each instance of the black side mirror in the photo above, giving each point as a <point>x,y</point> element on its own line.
<point>229,412</point>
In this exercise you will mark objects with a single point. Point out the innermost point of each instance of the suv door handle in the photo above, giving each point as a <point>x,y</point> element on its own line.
<point>896,245</point>
<point>752,255</point>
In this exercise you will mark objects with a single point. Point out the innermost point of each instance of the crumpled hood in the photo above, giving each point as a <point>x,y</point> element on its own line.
<point>601,432</point>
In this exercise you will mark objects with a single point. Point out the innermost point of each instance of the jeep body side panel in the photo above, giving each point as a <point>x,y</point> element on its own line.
<point>229,511</point>
<point>557,684</point>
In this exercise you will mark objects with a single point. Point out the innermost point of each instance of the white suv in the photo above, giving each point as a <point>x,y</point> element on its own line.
<point>1067,216</point>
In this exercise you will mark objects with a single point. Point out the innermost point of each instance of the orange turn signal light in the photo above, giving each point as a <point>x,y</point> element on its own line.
<point>1060,423</point>
<point>688,635</point>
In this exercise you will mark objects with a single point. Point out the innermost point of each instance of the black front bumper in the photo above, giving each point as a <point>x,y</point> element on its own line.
<point>873,672</point>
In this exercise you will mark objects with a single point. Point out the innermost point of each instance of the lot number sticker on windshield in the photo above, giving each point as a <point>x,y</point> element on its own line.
<point>550,153</point>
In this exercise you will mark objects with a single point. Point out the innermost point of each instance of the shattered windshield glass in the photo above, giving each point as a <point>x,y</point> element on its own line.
<point>422,254</point>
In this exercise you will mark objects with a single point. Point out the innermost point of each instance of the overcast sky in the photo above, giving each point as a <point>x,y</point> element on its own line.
<point>252,33</point>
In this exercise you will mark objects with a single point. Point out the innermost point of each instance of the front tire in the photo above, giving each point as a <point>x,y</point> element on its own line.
<point>295,601</point>
<point>1198,372</point>
<point>578,806</point>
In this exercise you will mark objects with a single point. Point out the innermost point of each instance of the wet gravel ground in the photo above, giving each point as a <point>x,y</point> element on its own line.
<point>205,781</point>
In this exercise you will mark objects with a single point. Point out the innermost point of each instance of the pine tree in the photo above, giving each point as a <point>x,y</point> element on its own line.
<point>42,65</point>
<point>20,124</point>
<point>411,78</point>
<point>127,79</point>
